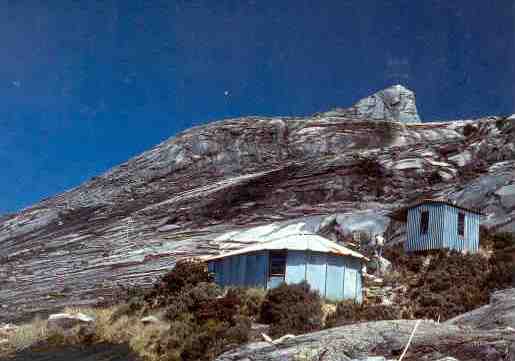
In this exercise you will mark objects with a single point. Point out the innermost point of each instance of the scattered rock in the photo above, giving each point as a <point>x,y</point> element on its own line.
<point>66,321</point>
<point>150,320</point>
<point>7,329</point>
<point>257,330</point>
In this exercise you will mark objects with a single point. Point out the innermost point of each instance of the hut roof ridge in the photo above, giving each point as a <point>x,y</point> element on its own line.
<point>295,242</point>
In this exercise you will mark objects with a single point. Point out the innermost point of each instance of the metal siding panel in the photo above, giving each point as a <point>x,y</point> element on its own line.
<point>226,266</point>
<point>359,285</point>
<point>316,268</point>
<point>235,274</point>
<point>295,267</point>
<point>350,283</point>
<point>262,268</point>
<point>243,270</point>
<point>250,275</point>
<point>219,272</point>
<point>411,230</point>
<point>335,274</point>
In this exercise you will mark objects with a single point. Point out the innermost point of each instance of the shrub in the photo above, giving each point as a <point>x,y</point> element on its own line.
<point>348,312</point>
<point>292,309</point>
<point>186,274</point>
<point>502,263</point>
<point>192,300</point>
<point>443,290</point>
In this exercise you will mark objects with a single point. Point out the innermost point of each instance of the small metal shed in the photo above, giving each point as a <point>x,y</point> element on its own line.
<point>330,268</point>
<point>440,224</point>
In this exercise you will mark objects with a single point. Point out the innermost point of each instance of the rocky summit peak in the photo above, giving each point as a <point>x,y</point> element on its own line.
<point>395,103</point>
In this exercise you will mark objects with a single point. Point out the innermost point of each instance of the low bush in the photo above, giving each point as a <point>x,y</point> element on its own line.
<point>292,309</point>
<point>348,312</point>
<point>185,275</point>
<point>443,284</point>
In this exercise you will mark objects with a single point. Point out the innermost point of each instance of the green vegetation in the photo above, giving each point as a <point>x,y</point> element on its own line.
<point>292,309</point>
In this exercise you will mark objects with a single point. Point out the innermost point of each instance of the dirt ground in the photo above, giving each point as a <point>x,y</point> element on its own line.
<point>100,352</point>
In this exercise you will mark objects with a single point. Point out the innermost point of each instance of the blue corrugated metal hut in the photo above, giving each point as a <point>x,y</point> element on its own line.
<point>440,224</point>
<point>333,270</point>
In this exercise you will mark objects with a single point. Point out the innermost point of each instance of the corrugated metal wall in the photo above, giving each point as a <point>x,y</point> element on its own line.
<point>316,272</point>
<point>470,242</point>
<point>433,239</point>
<point>443,229</point>
<point>335,277</point>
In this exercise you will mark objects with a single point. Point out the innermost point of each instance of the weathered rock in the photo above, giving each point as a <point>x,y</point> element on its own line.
<point>387,339</point>
<point>148,320</point>
<point>257,330</point>
<point>66,321</point>
<point>507,195</point>
<point>499,313</point>
<point>234,182</point>
<point>395,103</point>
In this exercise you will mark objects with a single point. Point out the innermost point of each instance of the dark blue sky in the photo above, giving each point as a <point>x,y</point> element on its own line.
<point>85,85</point>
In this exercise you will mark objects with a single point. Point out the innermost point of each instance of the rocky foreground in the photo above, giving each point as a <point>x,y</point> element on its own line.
<point>238,181</point>
<point>475,336</point>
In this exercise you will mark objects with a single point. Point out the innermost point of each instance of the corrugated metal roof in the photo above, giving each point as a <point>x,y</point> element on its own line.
<point>299,242</point>
<point>401,213</point>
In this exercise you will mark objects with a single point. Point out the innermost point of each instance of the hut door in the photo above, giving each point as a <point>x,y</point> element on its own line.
<point>350,284</point>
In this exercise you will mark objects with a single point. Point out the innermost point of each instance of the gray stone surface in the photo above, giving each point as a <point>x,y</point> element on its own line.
<point>432,341</point>
<point>66,321</point>
<point>507,195</point>
<point>395,103</point>
<point>230,183</point>
<point>499,313</point>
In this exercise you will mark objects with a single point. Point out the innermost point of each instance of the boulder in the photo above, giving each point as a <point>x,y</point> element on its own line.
<point>66,321</point>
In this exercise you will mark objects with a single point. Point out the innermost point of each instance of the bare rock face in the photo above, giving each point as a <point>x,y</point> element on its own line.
<point>386,339</point>
<point>499,313</point>
<point>66,321</point>
<point>227,184</point>
<point>395,103</point>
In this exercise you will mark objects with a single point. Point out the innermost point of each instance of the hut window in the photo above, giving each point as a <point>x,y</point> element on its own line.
<point>461,224</point>
<point>424,222</point>
<point>277,263</point>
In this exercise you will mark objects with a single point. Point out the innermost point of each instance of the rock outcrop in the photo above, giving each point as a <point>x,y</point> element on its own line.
<point>395,103</point>
<point>230,183</point>
<point>431,341</point>
<point>499,313</point>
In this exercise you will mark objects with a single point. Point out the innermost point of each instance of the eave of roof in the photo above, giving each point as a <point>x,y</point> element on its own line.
<point>275,245</point>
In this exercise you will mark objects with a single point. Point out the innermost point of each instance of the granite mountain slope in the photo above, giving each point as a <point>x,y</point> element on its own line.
<point>243,180</point>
